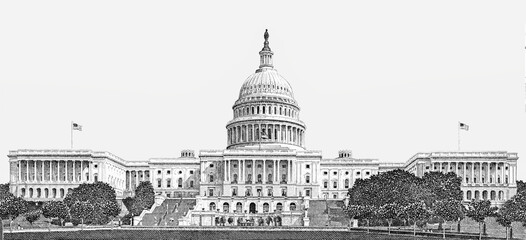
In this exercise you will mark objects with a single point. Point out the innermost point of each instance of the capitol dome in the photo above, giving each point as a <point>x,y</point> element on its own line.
<point>266,112</point>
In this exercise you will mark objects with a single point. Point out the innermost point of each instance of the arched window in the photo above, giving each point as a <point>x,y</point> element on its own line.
<point>235,178</point>
<point>249,178</point>
<point>501,195</point>
<point>346,183</point>
<point>468,195</point>
<point>325,184</point>
<point>259,178</point>
<point>269,179</point>
<point>279,207</point>
<point>31,192</point>
<point>180,182</point>
<point>95,177</point>
<point>62,193</point>
<point>485,195</point>
<point>493,195</point>
<point>239,207</point>
<point>211,178</point>
<point>226,207</point>
<point>46,193</point>
<point>212,206</point>
<point>335,184</point>
<point>54,193</point>
<point>191,184</point>
<point>292,207</point>
<point>265,207</point>
<point>22,192</point>
<point>477,195</point>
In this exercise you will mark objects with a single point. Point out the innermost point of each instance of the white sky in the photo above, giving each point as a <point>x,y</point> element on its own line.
<point>385,79</point>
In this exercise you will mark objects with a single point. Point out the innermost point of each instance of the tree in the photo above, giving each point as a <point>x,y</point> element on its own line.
<point>416,212</point>
<point>353,211</point>
<point>521,186</point>
<point>4,191</point>
<point>389,212</point>
<point>144,197</point>
<point>56,209</point>
<point>33,216</point>
<point>11,207</point>
<point>79,211</point>
<point>101,196</point>
<point>479,211</point>
<point>448,210</point>
<point>506,216</point>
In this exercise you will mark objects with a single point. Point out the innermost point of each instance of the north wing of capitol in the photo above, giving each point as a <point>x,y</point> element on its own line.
<point>264,169</point>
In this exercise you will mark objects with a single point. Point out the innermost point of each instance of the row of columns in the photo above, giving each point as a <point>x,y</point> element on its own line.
<point>274,133</point>
<point>57,171</point>
<point>134,177</point>
<point>502,175</point>
<point>242,170</point>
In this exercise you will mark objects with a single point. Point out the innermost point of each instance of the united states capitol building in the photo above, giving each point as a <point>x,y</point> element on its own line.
<point>264,169</point>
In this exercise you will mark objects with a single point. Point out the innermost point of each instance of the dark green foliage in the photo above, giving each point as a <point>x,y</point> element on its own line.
<point>389,187</point>
<point>479,211</point>
<point>144,197</point>
<point>4,191</point>
<point>143,200</point>
<point>56,209</point>
<point>11,207</point>
<point>32,216</point>
<point>443,186</point>
<point>101,196</point>
<point>448,209</point>
<point>80,211</point>
<point>521,186</point>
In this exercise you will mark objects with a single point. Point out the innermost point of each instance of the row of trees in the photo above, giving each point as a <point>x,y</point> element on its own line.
<point>436,197</point>
<point>89,203</point>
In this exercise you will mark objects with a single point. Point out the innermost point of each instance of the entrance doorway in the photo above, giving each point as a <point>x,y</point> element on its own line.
<point>252,208</point>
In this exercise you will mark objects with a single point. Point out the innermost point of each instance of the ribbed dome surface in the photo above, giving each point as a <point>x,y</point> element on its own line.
<point>266,81</point>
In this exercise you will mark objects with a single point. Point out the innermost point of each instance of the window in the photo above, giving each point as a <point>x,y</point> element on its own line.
<point>357,173</point>
<point>347,173</point>
<point>168,182</point>
<point>346,183</point>
<point>367,173</point>
<point>211,178</point>
<point>211,192</point>
<point>159,183</point>
<point>335,184</point>
<point>325,173</point>
<point>180,183</point>
<point>168,172</point>
<point>307,166</point>
<point>259,165</point>
<point>191,171</point>
<point>159,172</point>
<point>283,166</point>
<point>325,184</point>
<point>235,165</point>
<point>234,192</point>
<point>180,172</point>
<point>95,166</point>
<point>191,184</point>
<point>307,179</point>
<point>335,173</point>
<point>211,165</point>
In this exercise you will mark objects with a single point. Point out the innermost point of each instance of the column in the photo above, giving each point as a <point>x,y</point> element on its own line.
<point>224,170</point>
<point>58,173</point>
<point>264,172</point>
<point>90,171</point>
<point>253,171</point>
<point>19,171</point>
<point>277,171</point>
<point>472,173</point>
<point>487,177</point>
<point>35,172</point>
<point>289,171</point>
<point>239,171</point>
<point>480,175</point>
<point>448,167</point>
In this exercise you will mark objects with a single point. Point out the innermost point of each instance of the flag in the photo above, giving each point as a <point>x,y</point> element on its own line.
<point>463,126</point>
<point>264,135</point>
<point>75,126</point>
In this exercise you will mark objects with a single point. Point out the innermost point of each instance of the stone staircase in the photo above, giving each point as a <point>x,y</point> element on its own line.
<point>327,213</point>
<point>169,212</point>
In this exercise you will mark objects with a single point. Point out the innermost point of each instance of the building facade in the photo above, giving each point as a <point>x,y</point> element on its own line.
<point>265,168</point>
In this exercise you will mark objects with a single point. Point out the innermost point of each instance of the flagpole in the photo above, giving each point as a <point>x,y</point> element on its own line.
<point>458,135</point>
<point>71,128</point>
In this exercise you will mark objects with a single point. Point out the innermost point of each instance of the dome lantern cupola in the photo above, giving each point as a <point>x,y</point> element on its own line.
<point>265,55</point>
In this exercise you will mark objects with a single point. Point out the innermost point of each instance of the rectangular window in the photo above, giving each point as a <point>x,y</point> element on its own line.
<point>335,184</point>
<point>307,166</point>
<point>159,183</point>
<point>325,185</point>
<point>307,193</point>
